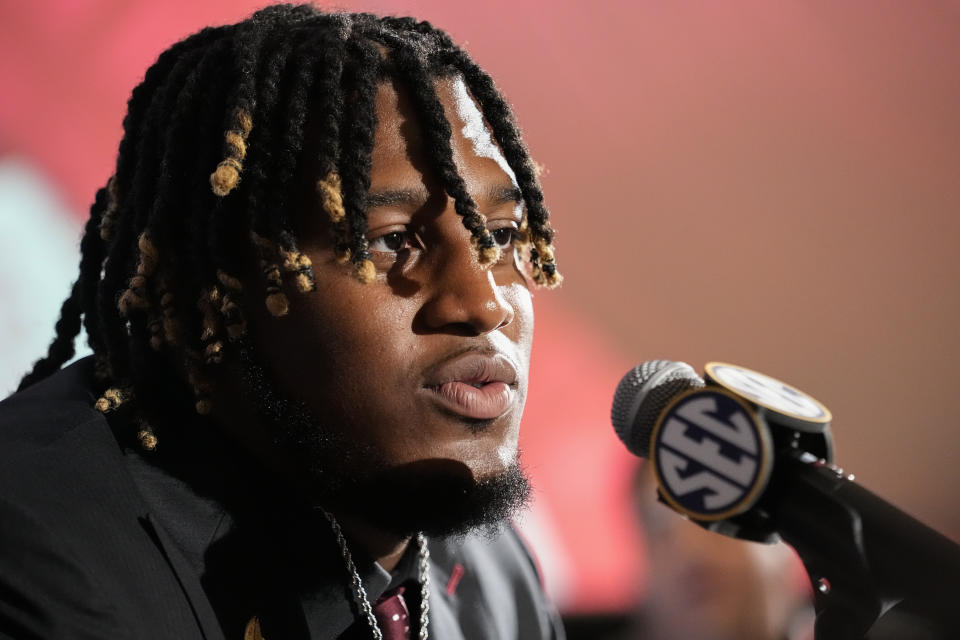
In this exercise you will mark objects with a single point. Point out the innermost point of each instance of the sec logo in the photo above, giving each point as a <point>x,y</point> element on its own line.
<point>788,404</point>
<point>711,454</point>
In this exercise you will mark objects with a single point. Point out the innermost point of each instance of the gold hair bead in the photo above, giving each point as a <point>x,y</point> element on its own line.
<point>489,255</point>
<point>242,116</point>
<point>233,318</point>
<point>111,399</point>
<point>332,196</point>
<point>554,280</point>
<point>229,281</point>
<point>149,256</point>
<point>131,299</point>
<point>305,283</point>
<point>288,260</point>
<point>213,353</point>
<point>366,272</point>
<point>226,176</point>
<point>264,244</point>
<point>148,440</point>
<point>237,330</point>
<point>277,304</point>
<point>301,263</point>
<point>237,144</point>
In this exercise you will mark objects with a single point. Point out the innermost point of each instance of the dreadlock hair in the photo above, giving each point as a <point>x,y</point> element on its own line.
<point>212,145</point>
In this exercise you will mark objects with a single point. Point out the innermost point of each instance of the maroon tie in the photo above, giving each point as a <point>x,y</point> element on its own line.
<point>392,615</point>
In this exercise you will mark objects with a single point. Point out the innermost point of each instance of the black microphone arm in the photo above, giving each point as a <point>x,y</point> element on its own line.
<point>748,456</point>
<point>864,556</point>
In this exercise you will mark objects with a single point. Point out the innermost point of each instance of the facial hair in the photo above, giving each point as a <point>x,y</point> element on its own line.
<point>436,497</point>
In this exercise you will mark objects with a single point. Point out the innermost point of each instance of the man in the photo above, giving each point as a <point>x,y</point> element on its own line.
<point>307,289</point>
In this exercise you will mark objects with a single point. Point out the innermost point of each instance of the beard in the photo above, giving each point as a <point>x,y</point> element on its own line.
<point>434,497</point>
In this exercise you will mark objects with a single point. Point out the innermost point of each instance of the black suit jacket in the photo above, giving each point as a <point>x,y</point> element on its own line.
<point>95,543</point>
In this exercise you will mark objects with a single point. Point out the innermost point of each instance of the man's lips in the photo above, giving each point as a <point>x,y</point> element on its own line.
<point>474,385</point>
<point>486,402</point>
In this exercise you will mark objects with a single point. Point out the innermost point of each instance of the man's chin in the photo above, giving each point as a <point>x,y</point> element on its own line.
<point>436,497</point>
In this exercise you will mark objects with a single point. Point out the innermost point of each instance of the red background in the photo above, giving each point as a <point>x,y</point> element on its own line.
<point>770,184</point>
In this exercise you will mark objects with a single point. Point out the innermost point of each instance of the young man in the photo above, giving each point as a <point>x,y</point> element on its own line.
<point>307,289</point>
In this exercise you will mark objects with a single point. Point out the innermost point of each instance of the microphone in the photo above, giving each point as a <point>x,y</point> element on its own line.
<point>748,456</point>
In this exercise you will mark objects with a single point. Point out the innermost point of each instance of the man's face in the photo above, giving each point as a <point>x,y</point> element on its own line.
<point>421,373</point>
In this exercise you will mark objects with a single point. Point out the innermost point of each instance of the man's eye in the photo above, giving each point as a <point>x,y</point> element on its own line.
<point>504,236</point>
<point>391,242</point>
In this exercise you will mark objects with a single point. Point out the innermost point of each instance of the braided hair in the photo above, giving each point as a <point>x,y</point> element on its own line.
<point>212,145</point>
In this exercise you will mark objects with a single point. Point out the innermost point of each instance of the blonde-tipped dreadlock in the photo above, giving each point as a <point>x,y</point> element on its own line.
<point>486,253</point>
<point>277,303</point>
<point>112,398</point>
<point>299,263</point>
<point>545,270</point>
<point>209,309</point>
<point>135,297</point>
<point>146,437</point>
<point>366,271</point>
<point>109,216</point>
<point>332,197</point>
<point>227,174</point>
<point>168,311</point>
<point>232,314</point>
<point>229,281</point>
<point>198,383</point>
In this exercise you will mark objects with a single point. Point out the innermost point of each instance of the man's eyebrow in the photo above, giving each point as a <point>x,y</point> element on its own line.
<point>414,198</point>
<point>502,194</point>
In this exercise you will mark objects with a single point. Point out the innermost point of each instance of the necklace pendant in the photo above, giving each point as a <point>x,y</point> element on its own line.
<point>253,632</point>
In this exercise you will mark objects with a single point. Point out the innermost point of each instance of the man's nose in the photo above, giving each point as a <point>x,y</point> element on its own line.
<point>465,297</point>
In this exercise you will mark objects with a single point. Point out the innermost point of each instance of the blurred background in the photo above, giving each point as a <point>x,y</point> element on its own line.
<point>773,184</point>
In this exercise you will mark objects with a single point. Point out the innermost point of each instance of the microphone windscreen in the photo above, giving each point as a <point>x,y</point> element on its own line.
<point>643,394</point>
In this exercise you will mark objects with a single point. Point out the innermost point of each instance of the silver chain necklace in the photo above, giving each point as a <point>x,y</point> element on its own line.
<point>360,594</point>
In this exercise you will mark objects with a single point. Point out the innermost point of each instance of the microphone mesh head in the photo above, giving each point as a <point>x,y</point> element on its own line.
<point>642,395</point>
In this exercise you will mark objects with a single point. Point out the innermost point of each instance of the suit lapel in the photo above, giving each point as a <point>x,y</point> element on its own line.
<point>187,578</point>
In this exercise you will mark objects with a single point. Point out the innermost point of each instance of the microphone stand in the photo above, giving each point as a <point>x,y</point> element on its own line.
<point>864,556</point>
